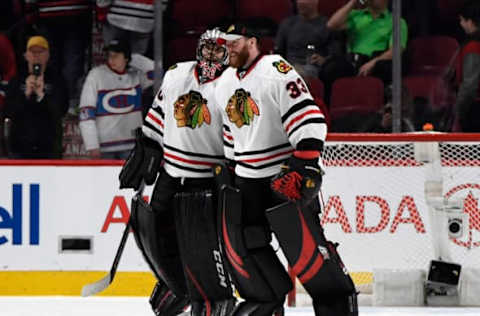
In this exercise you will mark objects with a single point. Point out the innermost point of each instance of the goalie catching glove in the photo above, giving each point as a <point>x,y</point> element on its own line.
<point>300,179</point>
<point>143,162</point>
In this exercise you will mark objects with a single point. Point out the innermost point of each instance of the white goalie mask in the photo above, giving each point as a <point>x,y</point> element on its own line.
<point>212,54</point>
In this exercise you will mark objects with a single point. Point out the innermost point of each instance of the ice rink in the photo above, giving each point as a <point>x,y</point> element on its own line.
<point>127,306</point>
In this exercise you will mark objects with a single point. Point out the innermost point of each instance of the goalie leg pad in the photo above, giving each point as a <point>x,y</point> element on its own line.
<point>258,274</point>
<point>314,260</point>
<point>165,303</point>
<point>155,235</point>
<point>202,258</point>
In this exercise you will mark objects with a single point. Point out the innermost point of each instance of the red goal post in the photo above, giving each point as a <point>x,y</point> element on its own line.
<point>377,200</point>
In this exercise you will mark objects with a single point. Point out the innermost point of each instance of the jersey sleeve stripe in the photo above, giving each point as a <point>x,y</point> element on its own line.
<point>227,144</point>
<point>193,154</point>
<point>268,157</point>
<point>301,116</point>
<point>225,127</point>
<point>306,122</point>
<point>181,166</point>
<point>298,107</point>
<point>229,137</point>
<point>150,133</point>
<point>158,110</point>
<point>193,162</point>
<point>267,165</point>
<point>255,152</point>
<point>155,119</point>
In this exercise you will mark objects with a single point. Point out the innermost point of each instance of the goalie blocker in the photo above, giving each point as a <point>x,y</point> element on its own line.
<point>313,259</point>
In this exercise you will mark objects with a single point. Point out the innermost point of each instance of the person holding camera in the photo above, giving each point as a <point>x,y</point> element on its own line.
<point>35,103</point>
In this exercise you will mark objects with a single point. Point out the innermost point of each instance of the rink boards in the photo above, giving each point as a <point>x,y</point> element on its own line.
<point>47,210</point>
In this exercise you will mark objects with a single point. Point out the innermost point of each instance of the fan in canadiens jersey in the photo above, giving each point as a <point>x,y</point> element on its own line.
<point>184,128</point>
<point>111,102</point>
<point>275,132</point>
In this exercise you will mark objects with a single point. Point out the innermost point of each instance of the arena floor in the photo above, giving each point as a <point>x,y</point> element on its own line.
<point>127,306</point>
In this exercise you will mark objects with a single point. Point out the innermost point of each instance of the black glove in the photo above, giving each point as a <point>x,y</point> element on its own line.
<point>300,179</point>
<point>143,162</point>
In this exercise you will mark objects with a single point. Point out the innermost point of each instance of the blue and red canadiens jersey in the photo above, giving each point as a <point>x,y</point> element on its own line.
<point>111,107</point>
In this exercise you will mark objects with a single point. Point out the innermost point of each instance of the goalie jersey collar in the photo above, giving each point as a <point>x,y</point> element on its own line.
<point>243,72</point>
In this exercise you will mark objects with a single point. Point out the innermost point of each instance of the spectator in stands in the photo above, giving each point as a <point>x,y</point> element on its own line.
<point>111,102</point>
<point>131,20</point>
<point>8,70</point>
<point>381,122</point>
<point>305,41</point>
<point>369,38</point>
<point>467,107</point>
<point>66,25</point>
<point>35,103</point>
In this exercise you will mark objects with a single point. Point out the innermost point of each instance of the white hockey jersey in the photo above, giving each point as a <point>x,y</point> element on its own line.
<point>111,106</point>
<point>268,110</point>
<point>131,15</point>
<point>185,121</point>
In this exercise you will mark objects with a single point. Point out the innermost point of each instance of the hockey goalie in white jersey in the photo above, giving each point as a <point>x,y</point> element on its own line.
<point>179,238</point>
<point>275,132</point>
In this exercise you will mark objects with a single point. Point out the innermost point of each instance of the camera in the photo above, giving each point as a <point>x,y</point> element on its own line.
<point>455,226</point>
<point>37,70</point>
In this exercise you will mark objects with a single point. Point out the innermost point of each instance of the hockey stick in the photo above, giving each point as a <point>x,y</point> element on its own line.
<point>102,284</point>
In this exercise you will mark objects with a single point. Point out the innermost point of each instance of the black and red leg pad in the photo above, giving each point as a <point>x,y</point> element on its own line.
<point>313,259</point>
<point>257,272</point>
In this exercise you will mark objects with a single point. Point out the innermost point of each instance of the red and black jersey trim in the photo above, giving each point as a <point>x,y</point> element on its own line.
<point>242,73</point>
<point>159,111</point>
<point>183,167</point>
<point>265,158</point>
<point>150,126</point>
<point>297,107</point>
<point>227,144</point>
<point>192,153</point>
<point>267,165</point>
<point>267,150</point>
<point>309,121</point>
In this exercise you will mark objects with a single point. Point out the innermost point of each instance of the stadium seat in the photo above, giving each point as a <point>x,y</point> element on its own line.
<point>195,16</point>
<point>316,87</point>
<point>430,87</point>
<point>431,55</point>
<point>180,49</point>
<point>356,95</point>
<point>276,10</point>
<point>328,7</point>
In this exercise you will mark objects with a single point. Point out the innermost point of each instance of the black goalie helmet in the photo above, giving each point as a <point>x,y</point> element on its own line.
<point>212,54</point>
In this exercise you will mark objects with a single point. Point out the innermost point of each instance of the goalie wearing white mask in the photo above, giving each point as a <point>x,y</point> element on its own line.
<point>180,140</point>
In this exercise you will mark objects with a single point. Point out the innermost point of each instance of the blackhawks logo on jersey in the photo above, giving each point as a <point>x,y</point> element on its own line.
<point>241,108</point>
<point>191,110</point>
<point>282,66</point>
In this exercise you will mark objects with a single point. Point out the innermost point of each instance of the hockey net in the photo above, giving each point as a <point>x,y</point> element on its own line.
<point>378,193</point>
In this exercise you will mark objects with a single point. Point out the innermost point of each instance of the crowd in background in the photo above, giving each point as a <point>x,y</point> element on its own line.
<point>51,72</point>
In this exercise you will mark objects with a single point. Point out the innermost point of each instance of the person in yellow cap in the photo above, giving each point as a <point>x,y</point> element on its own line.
<point>37,56</point>
<point>35,102</point>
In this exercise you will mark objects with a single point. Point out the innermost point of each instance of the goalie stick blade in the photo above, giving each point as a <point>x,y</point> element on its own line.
<point>100,285</point>
<point>97,287</point>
